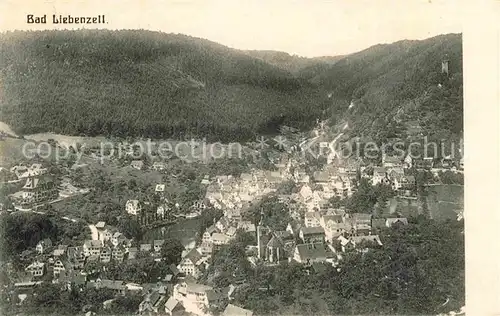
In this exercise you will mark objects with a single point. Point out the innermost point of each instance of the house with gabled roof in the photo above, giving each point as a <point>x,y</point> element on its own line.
<point>247,226</point>
<point>362,229</point>
<point>355,242</point>
<point>294,227</point>
<point>339,186</point>
<point>312,219</point>
<point>117,286</point>
<point>145,247</point>
<point>231,232</point>
<point>60,250</point>
<point>206,180</point>
<point>118,253</point>
<point>403,182</point>
<point>137,164</point>
<point>194,296</point>
<point>153,303</point>
<point>105,255</point>
<point>380,176</point>
<point>306,192</point>
<point>223,224</point>
<point>117,239</point>
<point>391,162</point>
<point>334,226</point>
<point>162,210</point>
<point>233,214</point>
<point>76,257</point>
<point>207,235</point>
<point>325,219</point>
<point>206,248</point>
<point>105,232</point>
<point>402,221</point>
<point>219,239</point>
<point>158,244</point>
<point>312,252</point>
<point>191,264</point>
<point>361,218</point>
<point>133,207</point>
<point>321,177</point>
<point>312,234</point>
<point>172,305</point>
<point>408,161</point>
<point>92,248</point>
<point>36,190</point>
<point>36,269</point>
<point>159,165</point>
<point>44,245</point>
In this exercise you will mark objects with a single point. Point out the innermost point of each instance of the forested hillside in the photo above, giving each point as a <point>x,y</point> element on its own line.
<point>398,88</point>
<point>143,83</point>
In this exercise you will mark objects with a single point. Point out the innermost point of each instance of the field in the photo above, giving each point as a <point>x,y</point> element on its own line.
<point>6,129</point>
<point>445,201</point>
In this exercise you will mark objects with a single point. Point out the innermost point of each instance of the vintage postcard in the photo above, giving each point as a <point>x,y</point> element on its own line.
<point>232,158</point>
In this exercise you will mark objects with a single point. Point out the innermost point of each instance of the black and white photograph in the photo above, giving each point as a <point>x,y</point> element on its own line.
<point>232,158</point>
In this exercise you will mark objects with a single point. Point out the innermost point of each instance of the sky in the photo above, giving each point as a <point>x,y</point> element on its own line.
<point>303,27</point>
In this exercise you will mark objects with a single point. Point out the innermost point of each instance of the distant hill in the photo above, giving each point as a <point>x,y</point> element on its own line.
<point>393,88</point>
<point>293,63</point>
<point>142,83</point>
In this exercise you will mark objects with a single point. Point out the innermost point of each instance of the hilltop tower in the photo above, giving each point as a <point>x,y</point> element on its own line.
<point>444,65</point>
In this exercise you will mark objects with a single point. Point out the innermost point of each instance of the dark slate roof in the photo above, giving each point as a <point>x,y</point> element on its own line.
<point>194,255</point>
<point>312,230</point>
<point>312,251</point>
<point>173,269</point>
<point>275,242</point>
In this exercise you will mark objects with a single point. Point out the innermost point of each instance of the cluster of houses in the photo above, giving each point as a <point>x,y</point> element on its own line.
<point>110,245</point>
<point>39,187</point>
<point>147,212</point>
<point>23,171</point>
<point>230,193</point>
<point>66,265</point>
<point>318,233</point>
<point>323,236</point>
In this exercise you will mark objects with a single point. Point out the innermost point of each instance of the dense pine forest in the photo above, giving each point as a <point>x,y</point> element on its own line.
<point>143,83</point>
<point>152,84</point>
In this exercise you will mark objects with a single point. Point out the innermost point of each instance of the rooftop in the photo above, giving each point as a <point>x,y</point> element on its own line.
<point>233,310</point>
<point>194,255</point>
<point>312,251</point>
<point>312,230</point>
